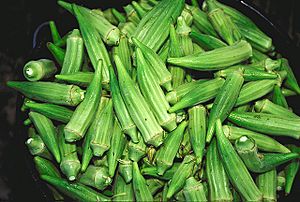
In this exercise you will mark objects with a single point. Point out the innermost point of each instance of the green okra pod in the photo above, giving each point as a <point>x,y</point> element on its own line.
<point>76,191</point>
<point>267,123</point>
<point>197,130</point>
<point>166,154</point>
<point>74,53</point>
<point>140,10</point>
<point>57,52</point>
<point>278,97</point>
<point>287,92</point>
<point>46,130</point>
<point>186,14</point>
<point>291,81</point>
<point>183,30</point>
<point>108,14</point>
<point>77,78</point>
<point>141,190</point>
<point>236,170</point>
<point>185,146</point>
<point>145,4</point>
<point>216,59</point>
<point>218,181</point>
<point>54,32</point>
<point>123,51</point>
<point>260,162</point>
<point>63,41</point>
<point>97,177</point>
<point>164,51</point>
<point>70,164</point>
<point>203,92</point>
<point>125,167</point>
<point>137,107</point>
<point>194,190</point>
<point>267,184</point>
<point>154,185</point>
<point>263,142</point>
<point>39,69</point>
<point>207,42</point>
<point>137,151</point>
<point>119,16</point>
<point>127,28</point>
<point>281,181</point>
<point>84,113</point>
<point>266,64</point>
<point>291,171</point>
<point>152,171</point>
<point>131,14</point>
<point>257,56</point>
<point>45,167</point>
<point>122,191</point>
<point>224,101</point>
<point>69,95</point>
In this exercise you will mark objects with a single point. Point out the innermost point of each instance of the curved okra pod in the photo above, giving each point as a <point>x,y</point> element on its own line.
<point>194,190</point>
<point>152,171</point>
<point>235,168</point>
<point>291,81</point>
<point>278,98</point>
<point>69,95</point>
<point>141,190</point>
<point>267,123</point>
<point>291,170</point>
<point>136,151</point>
<point>166,154</point>
<point>207,42</point>
<point>153,94</point>
<point>197,130</point>
<point>224,101</point>
<point>46,130</point>
<point>140,10</point>
<point>260,162</point>
<point>122,191</point>
<point>84,113</point>
<point>184,171</point>
<point>74,53</point>
<point>161,72</point>
<point>76,191</point>
<point>125,167</point>
<point>123,51</point>
<point>97,177</point>
<point>45,167</point>
<point>39,69</point>
<point>138,109</point>
<point>263,142</point>
<point>153,28</point>
<point>52,111</point>
<point>154,185</point>
<point>131,14</point>
<point>54,32</point>
<point>118,143</point>
<point>216,59</point>
<point>203,92</point>
<point>69,165</point>
<point>267,184</point>
<point>218,181</point>
<point>77,78</point>
<point>57,52</point>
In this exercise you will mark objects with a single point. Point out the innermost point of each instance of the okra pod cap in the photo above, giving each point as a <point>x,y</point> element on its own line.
<point>39,69</point>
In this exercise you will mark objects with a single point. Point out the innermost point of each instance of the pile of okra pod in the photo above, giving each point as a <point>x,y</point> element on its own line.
<point>166,101</point>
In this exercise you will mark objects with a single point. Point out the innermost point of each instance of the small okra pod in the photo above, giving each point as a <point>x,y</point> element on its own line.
<point>224,101</point>
<point>177,93</point>
<point>107,14</point>
<point>138,108</point>
<point>287,92</point>
<point>152,172</point>
<point>52,111</point>
<point>127,28</point>
<point>235,168</point>
<point>36,146</point>
<point>140,10</point>
<point>36,70</point>
<point>166,154</point>
<point>153,94</point>
<point>69,95</point>
<point>131,14</point>
<point>161,72</point>
<point>254,90</point>
<point>47,132</point>
<point>140,188</point>
<point>184,171</point>
<point>119,16</point>
<point>207,42</point>
<point>203,92</point>
<point>267,184</point>
<point>194,190</point>
<point>100,142</point>
<point>185,146</point>
<point>137,151</point>
<point>125,169</point>
<point>74,53</point>
<point>197,130</point>
<point>218,181</point>
<point>257,56</point>
<point>123,51</point>
<point>27,122</point>
<point>267,123</point>
<point>76,191</point>
<point>183,30</point>
<point>118,143</point>
<point>163,53</point>
<point>216,59</point>
<point>57,52</point>
<point>122,191</point>
<point>260,162</point>
<point>291,171</point>
<point>154,185</point>
<point>266,64</point>
<point>45,167</point>
<point>266,106</point>
<point>70,164</point>
<point>263,142</point>
<point>278,98</point>
<point>84,113</point>
<point>97,177</point>
<point>54,32</point>
<point>291,81</point>
<point>78,78</point>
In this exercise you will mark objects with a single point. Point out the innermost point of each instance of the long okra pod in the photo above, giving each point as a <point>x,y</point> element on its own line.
<point>123,51</point>
<point>152,171</point>
<point>54,32</point>
<point>291,81</point>
<point>194,190</point>
<point>57,52</point>
<point>278,97</point>
<point>207,42</point>
<point>291,170</point>
<point>84,113</point>
<point>97,177</point>
<point>122,191</point>
<point>140,10</point>
<point>39,69</point>
<point>267,184</point>
<point>45,167</point>
<point>77,78</point>
<point>131,14</point>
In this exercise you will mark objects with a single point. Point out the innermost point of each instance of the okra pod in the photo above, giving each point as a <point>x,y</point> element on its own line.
<point>185,146</point>
<point>97,177</point>
<point>136,151</point>
<point>186,14</point>
<point>236,170</point>
<point>215,59</point>
<point>281,181</point>
<point>267,184</point>
<point>69,95</point>
<point>278,98</point>
<point>166,154</point>
<point>84,113</point>
<point>194,190</point>
<point>122,191</point>
<point>154,185</point>
<point>125,167</point>
<point>108,14</point>
<point>266,65</point>
<point>145,4</point>
<point>63,41</point>
<point>127,29</point>
<point>140,10</point>
<point>267,123</point>
<point>123,51</point>
<point>119,16</point>
<point>287,92</point>
<point>46,130</point>
<point>291,171</point>
<point>54,32</point>
<point>164,51</point>
<point>257,56</point>
<point>183,30</point>
<point>45,167</point>
<point>152,171</point>
<point>39,69</point>
<point>291,81</point>
<point>57,52</point>
<point>260,162</point>
<point>131,14</point>
<point>207,42</point>
<point>224,101</point>
<point>77,78</point>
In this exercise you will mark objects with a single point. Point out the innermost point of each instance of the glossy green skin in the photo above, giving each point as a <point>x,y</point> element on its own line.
<point>41,69</point>
<point>154,185</point>
<point>235,168</point>
<point>152,171</point>
<point>291,171</point>
<point>267,184</point>
<point>291,81</point>
<point>140,11</point>
<point>119,16</point>
<point>122,191</point>
<point>278,97</point>
<point>45,167</point>
<point>267,123</point>
<point>208,42</point>
<point>78,78</point>
<point>125,169</point>
<point>37,147</point>
<point>136,151</point>
<point>131,14</point>
<point>194,190</point>
<point>57,52</point>
<point>54,32</point>
<point>123,51</point>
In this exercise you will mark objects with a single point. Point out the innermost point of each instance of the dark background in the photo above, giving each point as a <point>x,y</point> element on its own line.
<point>19,20</point>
